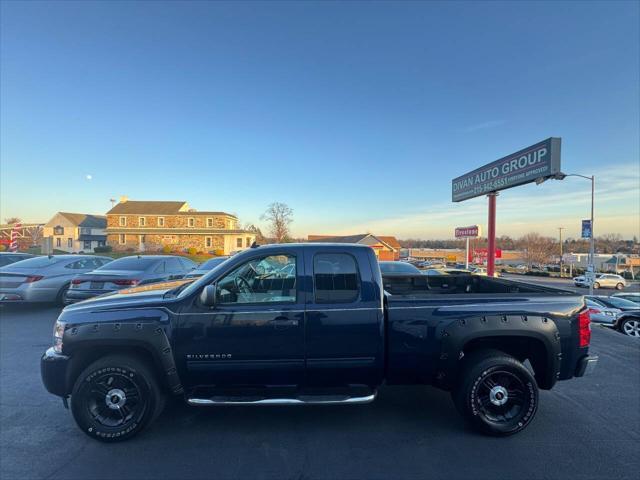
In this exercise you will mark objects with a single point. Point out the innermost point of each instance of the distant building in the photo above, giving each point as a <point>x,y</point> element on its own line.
<point>151,225</point>
<point>385,247</point>
<point>74,232</point>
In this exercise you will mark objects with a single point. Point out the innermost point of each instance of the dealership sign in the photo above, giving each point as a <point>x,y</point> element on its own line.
<point>468,232</point>
<point>539,161</point>
<point>586,228</point>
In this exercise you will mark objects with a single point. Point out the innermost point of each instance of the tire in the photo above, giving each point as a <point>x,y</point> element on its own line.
<point>619,286</point>
<point>61,295</point>
<point>496,393</point>
<point>596,285</point>
<point>631,326</point>
<point>115,398</point>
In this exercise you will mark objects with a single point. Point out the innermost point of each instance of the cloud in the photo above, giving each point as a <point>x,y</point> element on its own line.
<point>482,126</point>
<point>529,208</point>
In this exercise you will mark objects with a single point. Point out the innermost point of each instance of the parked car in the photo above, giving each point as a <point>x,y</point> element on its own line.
<point>128,272</point>
<point>326,333</point>
<point>45,278</point>
<point>601,313</point>
<point>397,268</point>
<point>631,296</point>
<point>602,280</point>
<point>628,318</point>
<point>206,267</point>
<point>7,258</point>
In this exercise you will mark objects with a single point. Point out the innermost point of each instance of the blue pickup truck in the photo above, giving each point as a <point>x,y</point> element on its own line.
<point>313,324</point>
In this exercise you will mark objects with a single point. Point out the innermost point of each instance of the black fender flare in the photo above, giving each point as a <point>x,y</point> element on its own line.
<point>81,340</point>
<point>457,334</point>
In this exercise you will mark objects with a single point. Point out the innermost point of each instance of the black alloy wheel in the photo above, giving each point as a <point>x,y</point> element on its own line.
<point>497,394</point>
<point>115,398</point>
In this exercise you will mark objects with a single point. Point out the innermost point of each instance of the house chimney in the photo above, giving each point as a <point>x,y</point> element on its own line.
<point>124,199</point>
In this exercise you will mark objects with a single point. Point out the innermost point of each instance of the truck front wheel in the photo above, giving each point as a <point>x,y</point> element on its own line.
<point>115,397</point>
<point>496,393</point>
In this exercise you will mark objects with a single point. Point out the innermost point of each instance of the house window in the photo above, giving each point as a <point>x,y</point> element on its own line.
<point>239,242</point>
<point>58,230</point>
<point>85,231</point>
<point>87,244</point>
<point>101,243</point>
<point>141,238</point>
<point>208,242</point>
<point>161,221</point>
<point>248,244</point>
<point>209,222</point>
<point>123,221</point>
<point>142,222</point>
<point>122,239</point>
<point>58,243</point>
<point>191,222</point>
<point>70,242</point>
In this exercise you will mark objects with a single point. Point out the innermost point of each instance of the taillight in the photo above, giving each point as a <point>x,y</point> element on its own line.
<point>584,328</point>
<point>593,311</point>
<point>33,278</point>
<point>127,282</point>
<point>77,281</point>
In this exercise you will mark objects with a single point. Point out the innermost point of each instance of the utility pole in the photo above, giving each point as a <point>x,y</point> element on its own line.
<point>561,271</point>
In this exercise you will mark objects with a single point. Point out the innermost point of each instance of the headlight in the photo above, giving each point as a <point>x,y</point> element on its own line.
<point>58,332</point>
<point>609,313</point>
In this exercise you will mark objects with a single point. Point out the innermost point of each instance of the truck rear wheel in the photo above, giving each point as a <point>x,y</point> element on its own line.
<point>496,393</point>
<point>116,397</point>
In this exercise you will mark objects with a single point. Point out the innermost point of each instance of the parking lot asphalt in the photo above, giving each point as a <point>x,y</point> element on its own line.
<point>585,428</point>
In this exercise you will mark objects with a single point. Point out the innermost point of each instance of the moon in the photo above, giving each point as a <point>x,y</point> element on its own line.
<point>88,177</point>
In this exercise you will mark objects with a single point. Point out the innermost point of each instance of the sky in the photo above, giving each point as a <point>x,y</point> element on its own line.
<point>357,115</point>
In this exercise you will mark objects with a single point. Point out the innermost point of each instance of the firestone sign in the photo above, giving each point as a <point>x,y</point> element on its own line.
<point>468,232</point>
<point>541,160</point>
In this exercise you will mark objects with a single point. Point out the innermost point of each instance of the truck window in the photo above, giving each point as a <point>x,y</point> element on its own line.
<point>335,278</point>
<point>261,280</point>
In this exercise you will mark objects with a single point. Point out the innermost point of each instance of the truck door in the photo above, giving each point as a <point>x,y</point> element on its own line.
<point>255,333</point>
<point>344,319</point>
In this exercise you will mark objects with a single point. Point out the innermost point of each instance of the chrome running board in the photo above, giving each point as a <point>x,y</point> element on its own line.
<point>302,400</point>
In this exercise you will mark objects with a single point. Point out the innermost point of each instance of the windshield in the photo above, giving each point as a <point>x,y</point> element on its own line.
<point>37,262</point>
<point>398,267</point>
<point>129,263</point>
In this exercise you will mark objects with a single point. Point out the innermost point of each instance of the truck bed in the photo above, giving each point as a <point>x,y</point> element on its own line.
<point>429,324</point>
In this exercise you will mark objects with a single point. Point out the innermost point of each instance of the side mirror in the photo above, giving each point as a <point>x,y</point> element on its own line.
<point>208,296</point>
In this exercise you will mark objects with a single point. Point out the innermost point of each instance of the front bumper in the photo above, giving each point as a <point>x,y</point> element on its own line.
<point>586,365</point>
<point>54,369</point>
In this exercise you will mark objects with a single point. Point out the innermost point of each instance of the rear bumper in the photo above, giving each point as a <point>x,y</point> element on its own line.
<point>73,296</point>
<point>586,365</point>
<point>54,368</point>
<point>27,294</point>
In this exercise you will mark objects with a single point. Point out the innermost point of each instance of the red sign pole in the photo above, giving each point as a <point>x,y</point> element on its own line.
<point>491,235</point>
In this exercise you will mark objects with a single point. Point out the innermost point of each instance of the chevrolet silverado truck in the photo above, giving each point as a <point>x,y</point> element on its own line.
<point>312,324</point>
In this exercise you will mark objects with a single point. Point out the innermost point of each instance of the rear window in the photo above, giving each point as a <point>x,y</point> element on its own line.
<point>621,302</point>
<point>335,278</point>
<point>36,262</point>
<point>129,263</point>
<point>211,264</point>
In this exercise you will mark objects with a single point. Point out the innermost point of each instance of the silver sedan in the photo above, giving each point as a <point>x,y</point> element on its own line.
<point>44,279</point>
<point>599,313</point>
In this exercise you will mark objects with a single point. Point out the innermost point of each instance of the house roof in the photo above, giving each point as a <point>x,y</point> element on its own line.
<point>153,207</point>
<point>339,239</point>
<point>137,207</point>
<point>391,241</point>
<point>85,219</point>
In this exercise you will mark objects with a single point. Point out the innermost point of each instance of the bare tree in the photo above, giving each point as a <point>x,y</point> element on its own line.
<point>11,220</point>
<point>537,249</point>
<point>279,216</point>
<point>255,230</point>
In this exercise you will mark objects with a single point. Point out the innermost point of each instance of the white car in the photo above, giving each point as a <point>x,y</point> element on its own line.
<point>602,280</point>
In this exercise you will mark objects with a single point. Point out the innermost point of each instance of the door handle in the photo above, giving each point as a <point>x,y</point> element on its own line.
<point>281,323</point>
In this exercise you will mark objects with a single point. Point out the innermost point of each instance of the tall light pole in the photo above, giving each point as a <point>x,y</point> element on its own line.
<point>592,270</point>
<point>560,230</point>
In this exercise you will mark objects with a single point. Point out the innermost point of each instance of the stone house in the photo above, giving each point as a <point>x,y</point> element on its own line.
<point>141,226</point>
